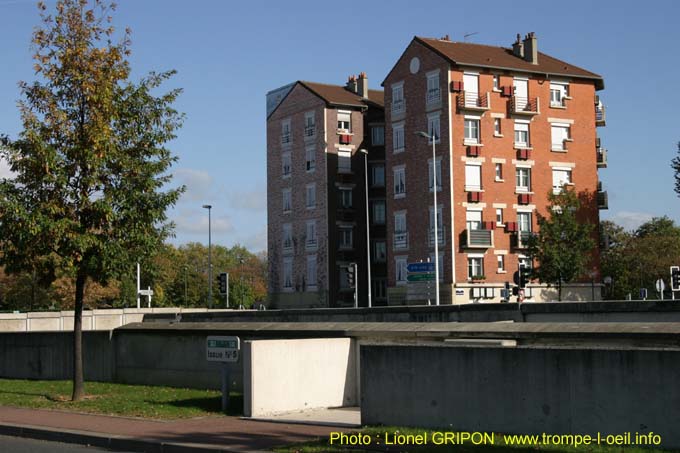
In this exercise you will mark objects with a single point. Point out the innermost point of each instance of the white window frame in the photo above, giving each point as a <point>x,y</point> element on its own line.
<point>399,181</point>
<point>398,101</point>
<point>471,266</point>
<point>287,273</point>
<point>433,93</point>
<point>499,217</point>
<point>398,223</point>
<point>473,219</point>
<point>286,133</point>
<point>523,174</point>
<point>287,198</point>
<point>500,264</point>
<point>287,237</point>
<point>522,131</point>
<point>559,92</point>
<point>401,269</point>
<point>498,168</point>
<point>286,164</point>
<point>398,139</point>
<point>310,159</point>
<point>310,125</point>
<point>430,182</point>
<point>558,171</point>
<point>310,196</point>
<point>525,221</point>
<point>310,235</point>
<point>345,119</point>
<point>472,131</point>
<point>434,126</point>
<point>497,128</point>
<point>311,274</point>
<point>559,134</point>
<point>378,135</point>
<point>470,168</point>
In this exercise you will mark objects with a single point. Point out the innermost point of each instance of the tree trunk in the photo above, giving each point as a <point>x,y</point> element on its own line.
<point>78,390</point>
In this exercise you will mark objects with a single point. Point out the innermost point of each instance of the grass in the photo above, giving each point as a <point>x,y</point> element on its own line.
<point>377,434</point>
<point>118,399</point>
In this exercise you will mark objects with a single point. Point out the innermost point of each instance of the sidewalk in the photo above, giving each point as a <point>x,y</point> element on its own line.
<point>225,434</point>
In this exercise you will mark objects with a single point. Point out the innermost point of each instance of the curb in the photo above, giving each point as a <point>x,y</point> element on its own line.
<point>104,440</point>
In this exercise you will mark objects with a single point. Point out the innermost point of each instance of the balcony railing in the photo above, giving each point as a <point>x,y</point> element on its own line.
<point>600,115</point>
<point>310,130</point>
<point>522,239</point>
<point>560,146</point>
<point>401,240</point>
<point>601,158</point>
<point>434,95</point>
<point>602,200</point>
<point>479,238</point>
<point>525,106</point>
<point>287,246</point>
<point>398,106</point>
<point>285,138</point>
<point>311,243</point>
<point>441,236</point>
<point>469,100</point>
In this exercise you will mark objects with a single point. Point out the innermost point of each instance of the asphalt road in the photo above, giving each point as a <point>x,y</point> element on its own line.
<point>23,445</point>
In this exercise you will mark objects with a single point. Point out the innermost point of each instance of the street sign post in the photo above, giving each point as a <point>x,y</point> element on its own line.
<point>225,350</point>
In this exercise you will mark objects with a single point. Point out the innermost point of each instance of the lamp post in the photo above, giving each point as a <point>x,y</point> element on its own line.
<point>434,192</point>
<point>368,235</point>
<point>209,207</point>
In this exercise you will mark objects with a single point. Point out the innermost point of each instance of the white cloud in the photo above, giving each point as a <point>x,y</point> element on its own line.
<point>256,242</point>
<point>198,183</point>
<point>5,172</point>
<point>254,200</point>
<point>193,224</point>
<point>630,220</point>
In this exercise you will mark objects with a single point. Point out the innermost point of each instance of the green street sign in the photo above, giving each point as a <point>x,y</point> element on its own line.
<point>420,277</point>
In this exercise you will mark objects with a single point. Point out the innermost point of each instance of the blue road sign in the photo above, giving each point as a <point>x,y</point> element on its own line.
<point>420,267</point>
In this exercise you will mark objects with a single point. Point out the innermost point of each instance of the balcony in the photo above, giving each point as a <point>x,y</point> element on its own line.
<point>601,158</point>
<point>525,106</point>
<point>311,244</point>
<point>602,199</point>
<point>469,100</point>
<point>434,96</point>
<point>310,131</point>
<point>345,138</point>
<point>287,246</point>
<point>401,240</point>
<point>521,239</point>
<point>524,198</point>
<point>560,146</point>
<point>479,238</point>
<point>523,154</point>
<point>441,236</point>
<point>398,106</point>
<point>600,115</point>
<point>285,138</point>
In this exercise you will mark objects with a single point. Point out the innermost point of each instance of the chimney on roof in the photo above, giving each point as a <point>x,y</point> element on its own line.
<point>531,48</point>
<point>352,83</point>
<point>518,47</point>
<point>446,38</point>
<point>362,86</point>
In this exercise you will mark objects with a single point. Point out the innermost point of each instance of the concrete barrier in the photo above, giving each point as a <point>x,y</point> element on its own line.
<point>523,390</point>
<point>292,375</point>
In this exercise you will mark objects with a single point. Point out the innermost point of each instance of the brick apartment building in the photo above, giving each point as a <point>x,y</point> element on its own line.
<point>316,197</point>
<point>511,124</point>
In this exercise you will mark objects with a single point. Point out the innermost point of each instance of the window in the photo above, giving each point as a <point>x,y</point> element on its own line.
<point>310,241</point>
<point>345,198</point>
<point>398,138</point>
<point>399,182</point>
<point>560,134</point>
<point>473,220</point>
<point>398,105</point>
<point>310,199</point>
<point>287,237</point>
<point>310,125</point>
<point>379,251</point>
<point>440,227</point>
<point>471,131</point>
<point>401,269</point>
<point>522,134</point>
<point>440,264</point>
<point>433,128</point>
<point>499,172</point>
<point>288,273</point>
<point>497,127</point>
<point>523,179</point>
<point>287,200</point>
<point>285,132</point>
<point>499,216</point>
<point>378,175</point>
<point>346,237</point>
<point>501,263</point>
<point>311,272</point>
<point>561,176</point>
<point>495,82</point>
<point>378,212</point>
<point>558,93</point>
<point>475,266</point>
<point>344,161</point>
<point>378,135</point>
<point>344,121</point>
<point>433,92</point>
<point>524,221</point>
<point>430,183</point>
<point>379,288</point>
<point>286,164</point>
<point>473,178</point>
<point>400,222</point>
<point>310,159</point>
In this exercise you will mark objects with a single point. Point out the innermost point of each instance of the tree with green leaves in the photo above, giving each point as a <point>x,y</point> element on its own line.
<point>564,244</point>
<point>90,194</point>
<point>675,165</point>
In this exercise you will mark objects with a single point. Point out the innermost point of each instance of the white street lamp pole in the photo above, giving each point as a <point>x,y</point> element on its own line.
<point>368,236</point>
<point>209,207</point>
<point>434,192</point>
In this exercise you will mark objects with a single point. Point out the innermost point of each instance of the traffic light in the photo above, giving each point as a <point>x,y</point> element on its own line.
<point>675,278</point>
<point>523,276</point>
<point>351,278</point>
<point>222,279</point>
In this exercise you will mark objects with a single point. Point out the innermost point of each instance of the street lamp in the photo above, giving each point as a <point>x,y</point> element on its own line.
<point>368,236</point>
<point>434,192</point>
<point>209,207</point>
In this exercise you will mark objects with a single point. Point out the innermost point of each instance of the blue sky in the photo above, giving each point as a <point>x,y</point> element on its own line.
<point>229,54</point>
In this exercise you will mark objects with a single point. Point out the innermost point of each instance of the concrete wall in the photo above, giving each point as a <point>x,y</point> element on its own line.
<point>290,375</point>
<point>49,355</point>
<point>106,319</point>
<point>523,390</point>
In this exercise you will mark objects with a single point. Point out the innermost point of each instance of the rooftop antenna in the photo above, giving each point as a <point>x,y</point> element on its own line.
<point>467,35</point>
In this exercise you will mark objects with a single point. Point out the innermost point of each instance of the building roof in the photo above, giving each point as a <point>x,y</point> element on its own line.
<point>480,55</point>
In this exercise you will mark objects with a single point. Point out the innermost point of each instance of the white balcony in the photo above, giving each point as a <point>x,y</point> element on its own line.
<point>401,240</point>
<point>441,236</point>
<point>479,238</point>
